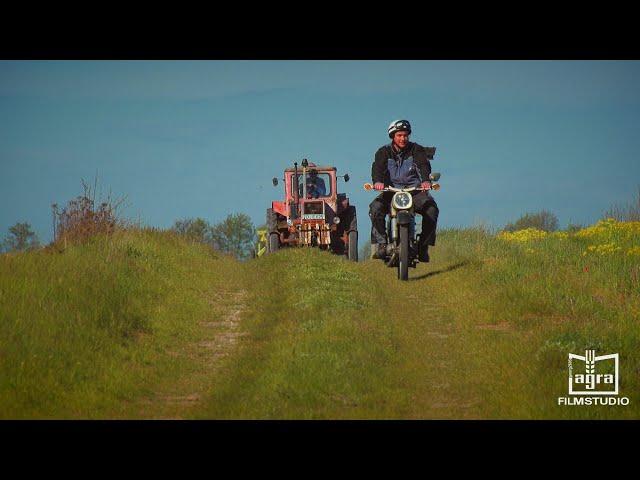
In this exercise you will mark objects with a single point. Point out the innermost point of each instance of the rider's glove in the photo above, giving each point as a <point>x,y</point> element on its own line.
<point>378,186</point>
<point>425,185</point>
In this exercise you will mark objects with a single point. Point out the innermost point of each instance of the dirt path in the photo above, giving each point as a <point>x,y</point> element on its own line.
<point>218,336</point>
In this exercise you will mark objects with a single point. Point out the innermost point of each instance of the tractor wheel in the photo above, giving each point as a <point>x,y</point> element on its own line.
<point>337,244</point>
<point>353,246</point>
<point>274,242</point>
<point>403,260</point>
<point>272,220</point>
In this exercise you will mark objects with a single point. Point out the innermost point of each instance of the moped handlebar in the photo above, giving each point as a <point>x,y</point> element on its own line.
<point>434,186</point>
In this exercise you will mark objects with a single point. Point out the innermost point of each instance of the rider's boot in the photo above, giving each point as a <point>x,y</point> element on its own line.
<point>380,251</point>
<point>423,252</point>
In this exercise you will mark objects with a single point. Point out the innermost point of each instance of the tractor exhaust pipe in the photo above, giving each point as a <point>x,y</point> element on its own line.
<point>296,198</point>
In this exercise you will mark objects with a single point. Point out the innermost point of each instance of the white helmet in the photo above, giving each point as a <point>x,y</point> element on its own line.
<point>399,126</point>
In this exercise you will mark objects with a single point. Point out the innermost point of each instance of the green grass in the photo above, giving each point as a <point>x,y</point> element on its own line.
<point>85,333</point>
<point>109,329</point>
<point>482,332</point>
<point>547,303</point>
<point>318,347</point>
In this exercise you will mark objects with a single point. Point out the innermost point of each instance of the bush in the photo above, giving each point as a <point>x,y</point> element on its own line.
<point>544,220</point>
<point>574,227</point>
<point>81,219</point>
<point>625,213</point>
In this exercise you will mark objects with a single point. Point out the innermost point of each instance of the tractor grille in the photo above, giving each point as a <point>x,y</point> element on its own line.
<point>313,211</point>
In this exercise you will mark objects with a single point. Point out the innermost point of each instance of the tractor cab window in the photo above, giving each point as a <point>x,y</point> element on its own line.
<point>318,185</point>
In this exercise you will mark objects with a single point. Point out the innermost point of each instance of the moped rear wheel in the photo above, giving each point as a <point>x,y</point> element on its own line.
<point>403,257</point>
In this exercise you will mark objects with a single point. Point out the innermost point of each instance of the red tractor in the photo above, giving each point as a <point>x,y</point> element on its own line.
<point>313,213</point>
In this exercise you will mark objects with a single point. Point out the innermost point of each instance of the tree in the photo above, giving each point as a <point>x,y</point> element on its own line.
<point>196,229</point>
<point>234,235</point>
<point>21,238</point>
<point>543,220</point>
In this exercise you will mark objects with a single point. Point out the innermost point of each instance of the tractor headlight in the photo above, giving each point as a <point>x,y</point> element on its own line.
<point>402,201</point>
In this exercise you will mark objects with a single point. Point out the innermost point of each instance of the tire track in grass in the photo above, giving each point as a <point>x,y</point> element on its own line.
<point>217,338</point>
<point>431,365</point>
<point>363,345</point>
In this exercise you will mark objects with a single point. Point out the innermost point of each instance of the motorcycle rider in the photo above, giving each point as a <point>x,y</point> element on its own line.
<point>402,164</point>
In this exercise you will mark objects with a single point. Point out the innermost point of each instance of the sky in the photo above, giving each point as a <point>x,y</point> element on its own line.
<point>186,139</point>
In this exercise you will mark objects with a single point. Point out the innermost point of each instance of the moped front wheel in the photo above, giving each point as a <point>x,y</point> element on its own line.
<point>403,254</point>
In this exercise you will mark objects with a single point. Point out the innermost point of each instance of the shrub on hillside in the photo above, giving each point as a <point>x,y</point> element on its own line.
<point>81,218</point>
<point>625,213</point>
<point>574,227</point>
<point>543,220</point>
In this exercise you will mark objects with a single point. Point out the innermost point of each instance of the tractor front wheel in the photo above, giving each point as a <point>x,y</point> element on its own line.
<point>353,246</point>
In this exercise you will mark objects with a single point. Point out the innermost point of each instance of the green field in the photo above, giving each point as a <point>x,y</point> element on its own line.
<point>144,324</point>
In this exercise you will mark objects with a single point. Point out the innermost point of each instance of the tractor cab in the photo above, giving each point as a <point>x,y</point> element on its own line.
<point>309,194</point>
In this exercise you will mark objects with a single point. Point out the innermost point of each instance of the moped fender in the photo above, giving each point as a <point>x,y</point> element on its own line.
<point>404,217</point>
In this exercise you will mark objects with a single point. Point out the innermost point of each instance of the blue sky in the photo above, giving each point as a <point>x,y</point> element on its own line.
<point>187,139</point>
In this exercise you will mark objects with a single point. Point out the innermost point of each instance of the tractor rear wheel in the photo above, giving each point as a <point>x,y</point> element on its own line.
<point>353,246</point>
<point>274,242</point>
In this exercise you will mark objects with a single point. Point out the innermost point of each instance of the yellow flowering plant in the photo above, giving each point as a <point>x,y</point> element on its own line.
<point>606,237</point>
<point>524,235</point>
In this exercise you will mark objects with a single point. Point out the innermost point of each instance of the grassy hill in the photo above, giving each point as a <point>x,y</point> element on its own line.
<point>86,332</point>
<point>144,324</point>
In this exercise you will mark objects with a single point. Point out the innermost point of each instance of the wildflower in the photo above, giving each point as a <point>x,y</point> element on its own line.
<point>634,251</point>
<point>524,235</point>
<point>603,249</point>
<point>608,228</point>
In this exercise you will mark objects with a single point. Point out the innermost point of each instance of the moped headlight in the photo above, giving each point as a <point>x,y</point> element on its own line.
<point>402,201</point>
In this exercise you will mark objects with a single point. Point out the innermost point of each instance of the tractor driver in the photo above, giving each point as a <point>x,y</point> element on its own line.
<point>402,164</point>
<point>315,185</point>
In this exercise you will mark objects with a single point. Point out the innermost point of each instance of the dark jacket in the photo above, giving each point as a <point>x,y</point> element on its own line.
<point>406,168</point>
<point>315,188</point>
